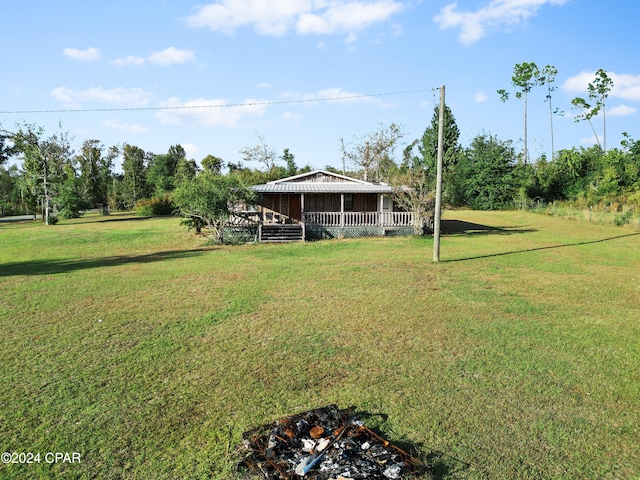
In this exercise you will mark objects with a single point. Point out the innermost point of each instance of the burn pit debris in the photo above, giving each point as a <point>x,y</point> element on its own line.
<point>323,444</point>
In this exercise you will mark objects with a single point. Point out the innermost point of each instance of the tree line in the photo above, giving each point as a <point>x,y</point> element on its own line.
<point>52,176</point>
<point>489,173</point>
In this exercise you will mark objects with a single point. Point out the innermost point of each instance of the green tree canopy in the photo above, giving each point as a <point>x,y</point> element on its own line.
<point>134,180</point>
<point>210,199</point>
<point>162,170</point>
<point>212,164</point>
<point>487,173</point>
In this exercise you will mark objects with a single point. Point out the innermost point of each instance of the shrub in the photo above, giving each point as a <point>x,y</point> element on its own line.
<point>624,218</point>
<point>155,206</point>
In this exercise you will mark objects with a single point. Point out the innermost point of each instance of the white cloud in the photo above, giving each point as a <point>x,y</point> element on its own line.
<point>497,15</point>
<point>130,60</point>
<point>124,126</point>
<point>190,149</point>
<point>279,17</point>
<point>589,141</point>
<point>293,117</point>
<point>166,57</point>
<point>88,55</point>
<point>480,97</point>
<point>621,111</point>
<point>129,97</point>
<point>625,86</point>
<point>578,83</point>
<point>171,55</point>
<point>347,17</point>
<point>202,112</point>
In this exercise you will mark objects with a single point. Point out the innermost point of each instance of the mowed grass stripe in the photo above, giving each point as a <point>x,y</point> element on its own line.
<point>129,341</point>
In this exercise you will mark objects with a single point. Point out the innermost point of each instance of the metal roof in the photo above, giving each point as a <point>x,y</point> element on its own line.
<point>323,173</point>
<point>323,187</point>
<point>329,183</point>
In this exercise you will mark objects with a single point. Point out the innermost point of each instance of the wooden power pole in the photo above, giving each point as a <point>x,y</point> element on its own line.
<point>436,219</point>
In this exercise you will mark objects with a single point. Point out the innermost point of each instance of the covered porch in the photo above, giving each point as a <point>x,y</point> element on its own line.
<point>332,209</point>
<point>323,204</point>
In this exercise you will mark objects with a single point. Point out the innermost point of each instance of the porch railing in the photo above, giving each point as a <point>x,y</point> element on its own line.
<point>359,219</point>
<point>328,219</point>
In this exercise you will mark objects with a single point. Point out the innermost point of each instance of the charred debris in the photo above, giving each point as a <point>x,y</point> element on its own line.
<point>323,444</point>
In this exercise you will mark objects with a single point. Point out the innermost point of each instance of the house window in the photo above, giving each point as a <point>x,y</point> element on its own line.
<point>348,202</point>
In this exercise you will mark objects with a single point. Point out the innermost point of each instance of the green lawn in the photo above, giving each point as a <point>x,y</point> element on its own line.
<point>130,342</point>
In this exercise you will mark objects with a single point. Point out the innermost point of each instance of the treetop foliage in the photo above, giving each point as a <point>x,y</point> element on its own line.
<point>487,173</point>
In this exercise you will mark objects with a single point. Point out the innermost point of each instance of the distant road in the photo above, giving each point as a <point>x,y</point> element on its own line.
<point>17,218</point>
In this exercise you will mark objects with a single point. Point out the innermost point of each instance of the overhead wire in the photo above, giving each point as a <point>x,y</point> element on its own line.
<point>220,105</point>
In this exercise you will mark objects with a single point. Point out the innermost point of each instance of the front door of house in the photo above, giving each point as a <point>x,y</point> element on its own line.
<point>295,208</point>
<point>387,203</point>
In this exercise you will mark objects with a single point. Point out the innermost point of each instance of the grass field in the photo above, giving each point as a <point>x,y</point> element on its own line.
<point>129,342</point>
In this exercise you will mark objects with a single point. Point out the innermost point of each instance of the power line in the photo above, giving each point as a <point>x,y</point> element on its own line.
<point>222,105</point>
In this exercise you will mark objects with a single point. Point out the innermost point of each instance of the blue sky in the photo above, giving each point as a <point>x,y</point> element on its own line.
<point>260,64</point>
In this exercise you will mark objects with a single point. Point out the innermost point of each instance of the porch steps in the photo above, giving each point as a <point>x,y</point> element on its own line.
<point>281,233</point>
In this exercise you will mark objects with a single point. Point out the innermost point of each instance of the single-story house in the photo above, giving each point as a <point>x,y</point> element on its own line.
<point>322,204</point>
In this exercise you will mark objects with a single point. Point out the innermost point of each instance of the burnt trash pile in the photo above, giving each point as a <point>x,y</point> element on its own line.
<point>323,444</point>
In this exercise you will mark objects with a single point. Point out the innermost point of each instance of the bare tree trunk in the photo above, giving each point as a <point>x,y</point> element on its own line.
<point>604,121</point>
<point>553,150</point>
<point>46,197</point>
<point>526,151</point>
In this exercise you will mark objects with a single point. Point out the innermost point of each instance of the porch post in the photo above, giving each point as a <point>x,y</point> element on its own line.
<point>342,209</point>
<point>381,210</point>
<point>304,233</point>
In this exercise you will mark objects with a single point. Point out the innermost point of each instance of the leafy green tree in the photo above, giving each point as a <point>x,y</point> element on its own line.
<point>70,199</point>
<point>212,164</point>
<point>598,93</point>
<point>486,173</point>
<point>631,149</point>
<point>290,161</point>
<point>210,199</point>
<point>43,161</point>
<point>27,143</point>
<point>162,170</point>
<point>574,172</point>
<point>525,76</point>
<point>134,180</point>
<point>6,187</point>
<point>96,170</point>
<point>185,170</point>
<point>6,149</point>
<point>587,112</point>
<point>428,150</point>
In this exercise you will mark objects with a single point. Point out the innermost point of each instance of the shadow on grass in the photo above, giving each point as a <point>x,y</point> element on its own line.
<point>460,227</point>
<point>441,466</point>
<point>434,465</point>
<point>50,267</point>
<point>550,247</point>
<point>83,220</point>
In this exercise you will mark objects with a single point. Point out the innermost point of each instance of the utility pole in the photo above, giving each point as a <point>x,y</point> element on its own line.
<point>436,219</point>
